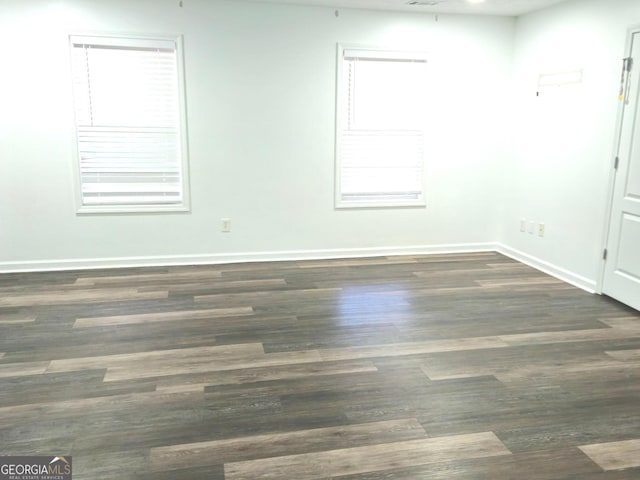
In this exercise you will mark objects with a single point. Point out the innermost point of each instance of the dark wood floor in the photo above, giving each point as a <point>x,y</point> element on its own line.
<point>439,367</point>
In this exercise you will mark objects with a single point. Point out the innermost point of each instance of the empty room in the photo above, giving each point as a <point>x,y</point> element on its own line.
<point>320,239</point>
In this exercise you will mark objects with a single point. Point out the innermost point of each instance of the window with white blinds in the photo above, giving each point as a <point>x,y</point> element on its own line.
<point>129,112</point>
<point>381,121</point>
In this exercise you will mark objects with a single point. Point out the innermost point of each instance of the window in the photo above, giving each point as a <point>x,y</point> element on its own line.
<point>130,124</point>
<point>380,128</point>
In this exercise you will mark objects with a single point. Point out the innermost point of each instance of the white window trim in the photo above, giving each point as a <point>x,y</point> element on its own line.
<point>119,39</point>
<point>339,202</point>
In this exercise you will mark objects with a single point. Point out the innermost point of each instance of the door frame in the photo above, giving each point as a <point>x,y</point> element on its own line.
<point>631,31</point>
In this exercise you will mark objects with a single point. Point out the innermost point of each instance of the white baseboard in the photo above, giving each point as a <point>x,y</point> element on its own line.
<point>550,269</point>
<point>222,258</point>
<point>294,255</point>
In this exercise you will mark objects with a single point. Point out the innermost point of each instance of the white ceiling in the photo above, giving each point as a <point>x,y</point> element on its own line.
<point>489,7</point>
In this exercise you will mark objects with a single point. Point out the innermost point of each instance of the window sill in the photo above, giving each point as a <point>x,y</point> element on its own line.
<point>341,205</point>
<point>131,209</point>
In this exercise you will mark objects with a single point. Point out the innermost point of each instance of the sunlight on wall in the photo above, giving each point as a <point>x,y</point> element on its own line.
<point>43,57</point>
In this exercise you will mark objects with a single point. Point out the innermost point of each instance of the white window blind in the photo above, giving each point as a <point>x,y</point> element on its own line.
<point>381,133</point>
<point>128,123</point>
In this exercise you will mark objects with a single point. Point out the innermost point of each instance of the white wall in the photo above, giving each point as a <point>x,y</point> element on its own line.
<point>260,94</point>
<point>563,155</point>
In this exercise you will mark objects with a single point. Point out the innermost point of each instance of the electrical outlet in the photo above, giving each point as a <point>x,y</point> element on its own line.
<point>541,229</point>
<point>532,226</point>
<point>226,225</point>
<point>523,225</point>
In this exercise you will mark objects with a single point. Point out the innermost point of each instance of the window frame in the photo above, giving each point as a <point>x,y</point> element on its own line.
<point>128,39</point>
<point>339,203</point>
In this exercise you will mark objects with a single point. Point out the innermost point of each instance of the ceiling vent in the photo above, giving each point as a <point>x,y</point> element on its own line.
<point>425,3</point>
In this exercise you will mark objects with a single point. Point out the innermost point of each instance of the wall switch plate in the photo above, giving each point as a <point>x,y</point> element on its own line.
<point>541,229</point>
<point>523,224</point>
<point>532,226</point>
<point>226,225</point>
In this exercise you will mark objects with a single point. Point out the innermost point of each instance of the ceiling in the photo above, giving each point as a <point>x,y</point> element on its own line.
<point>489,7</point>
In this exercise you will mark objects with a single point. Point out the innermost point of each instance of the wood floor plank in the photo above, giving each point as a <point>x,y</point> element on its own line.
<point>411,348</point>
<point>159,358</point>
<point>16,319</point>
<point>98,407</point>
<point>208,472</point>
<point>206,363</point>
<point>521,373</point>
<point>471,372</point>
<point>166,277</point>
<point>79,297</point>
<point>162,317</point>
<point>101,465</point>
<point>355,262</point>
<point>15,322</point>
<point>182,388</point>
<point>476,257</point>
<point>286,443</point>
<point>479,271</point>
<point>583,370</point>
<point>536,465</point>
<point>629,322</point>
<point>614,455</point>
<point>507,282</point>
<point>595,334</point>
<point>625,355</point>
<point>260,298</point>
<point>380,457</point>
<point>22,369</point>
<point>226,285</point>
<point>256,374</point>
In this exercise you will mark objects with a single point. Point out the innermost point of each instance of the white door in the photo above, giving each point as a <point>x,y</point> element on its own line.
<point>622,267</point>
